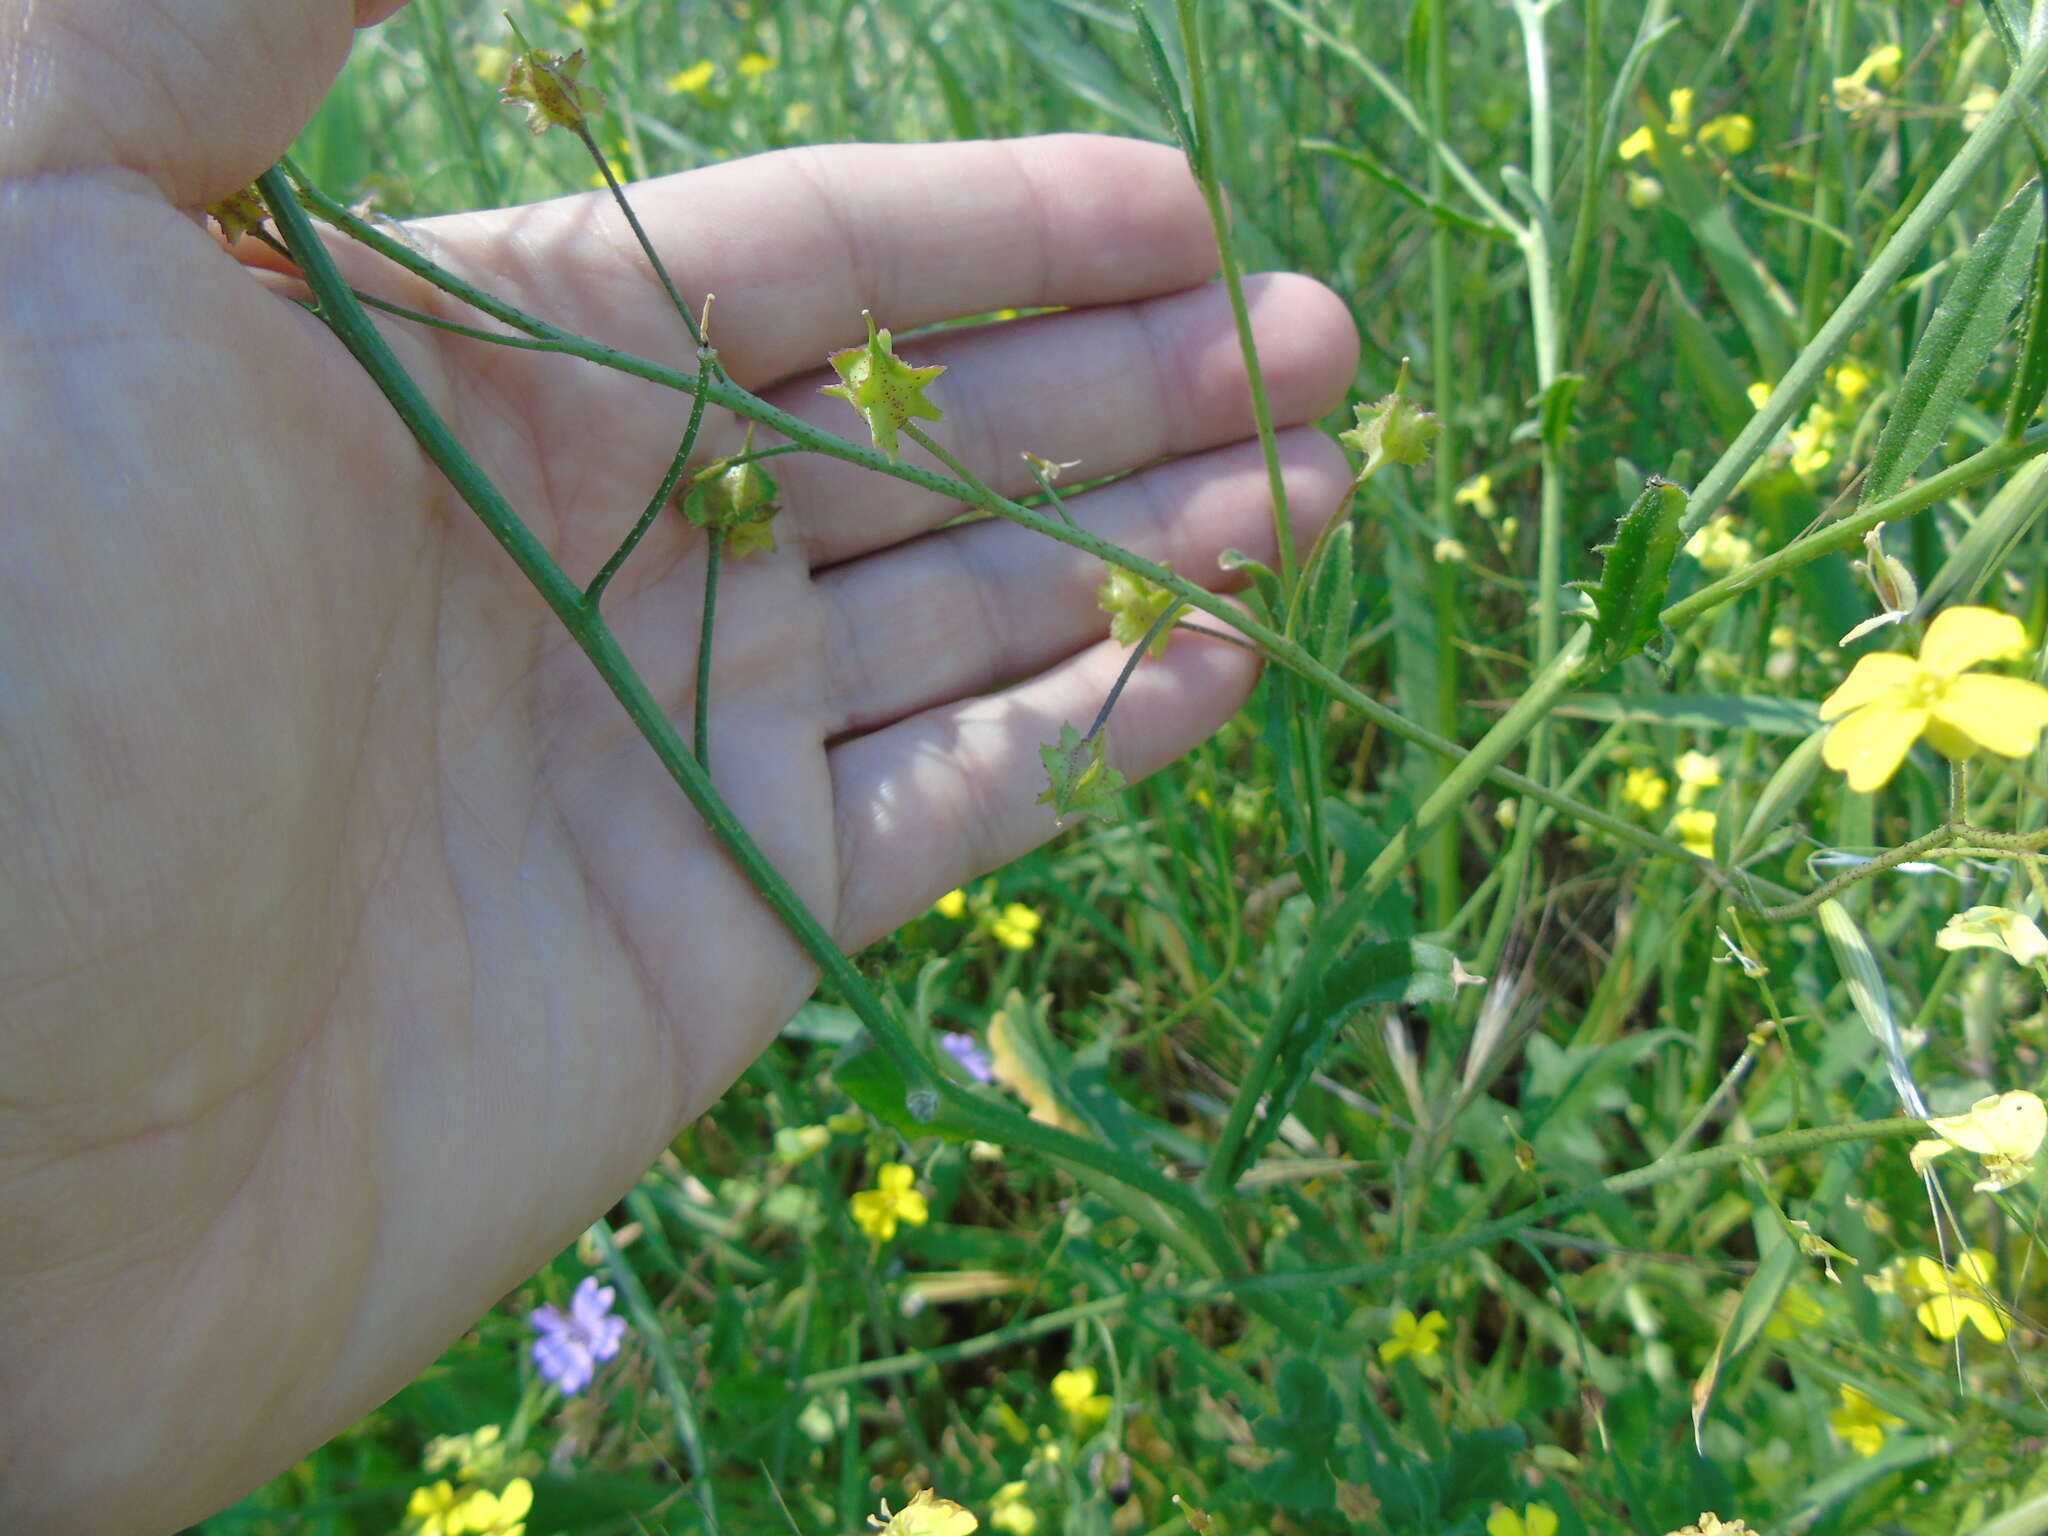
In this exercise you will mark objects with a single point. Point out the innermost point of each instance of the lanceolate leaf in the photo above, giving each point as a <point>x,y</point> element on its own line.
<point>1759,1300</point>
<point>1974,316</point>
<point>1635,575</point>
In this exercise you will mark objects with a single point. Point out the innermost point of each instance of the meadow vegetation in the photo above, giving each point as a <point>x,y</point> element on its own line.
<point>1525,1136</point>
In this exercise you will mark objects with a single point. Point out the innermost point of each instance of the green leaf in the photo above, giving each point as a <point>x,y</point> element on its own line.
<point>1634,575</point>
<point>1265,584</point>
<point>1760,1298</point>
<point>1973,318</point>
<point>1362,160</point>
<point>1782,796</point>
<point>1697,711</point>
<point>1554,410</point>
<point>1167,84</point>
<point>2030,378</point>
<point>1722,388</point>
<point>1378,971</point>
<point>867,1075</point>
<point>1871,999</point>
<point>1304,1433</point>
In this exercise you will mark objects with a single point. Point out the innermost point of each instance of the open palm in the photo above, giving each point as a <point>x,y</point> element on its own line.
<point>354,950</point>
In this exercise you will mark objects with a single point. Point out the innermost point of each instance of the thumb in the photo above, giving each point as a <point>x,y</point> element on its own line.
<point>198,97</point>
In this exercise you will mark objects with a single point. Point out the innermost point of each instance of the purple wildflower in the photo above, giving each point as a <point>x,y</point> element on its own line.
<point>965,1050</point>
<point>570,1347</point>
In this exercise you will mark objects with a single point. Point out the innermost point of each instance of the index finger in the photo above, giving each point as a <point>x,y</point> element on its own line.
<point>795,244</point>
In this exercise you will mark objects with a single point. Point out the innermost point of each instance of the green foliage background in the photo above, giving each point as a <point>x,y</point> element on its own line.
<point>781,1386</point>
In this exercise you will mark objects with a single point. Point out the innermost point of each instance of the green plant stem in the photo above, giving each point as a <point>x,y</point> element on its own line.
<point>1205,169</point>
<point>803,435</point>
<point>714,558</point>
<point>1849,531</point>
<point>625,203</point>
<point>594,593</point>
<point>1375,1271</point>
<point>1204,1238</point>
<point>1335,927</point>
<point>1442,884</point>
<point>1871,290</point>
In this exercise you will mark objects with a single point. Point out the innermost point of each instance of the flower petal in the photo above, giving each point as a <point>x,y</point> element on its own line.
<point>1960,638</point>
<point>1870,744</point>
<point>1871,679</point>
<point>2010,1125</point>
<point>2003,714</point>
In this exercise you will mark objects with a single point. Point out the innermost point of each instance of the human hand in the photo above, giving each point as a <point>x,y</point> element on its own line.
<point>355,951</point>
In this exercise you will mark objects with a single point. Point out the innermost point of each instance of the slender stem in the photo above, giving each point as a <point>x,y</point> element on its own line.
<point>1205,167</point>
<point>1335,927</point>
<point>1373,1272</point>
<point>1442,872</point>
<point>594,593</point>
<point>803,435</point>
<point>1940,837</point>
<point>1871,290</point>
<point>928,1096</point>
<point>625,203</point>
<point>1130,666</point>
<point>1848,532</point>
<point>714,557</point>
<point>580,617</point>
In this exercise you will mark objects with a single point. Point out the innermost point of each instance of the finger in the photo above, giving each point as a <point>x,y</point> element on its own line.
<point>933,802</point>
<point>797,243</point>
<point>977,607</point>
<point>137,87</point>
<point>1113,388</point>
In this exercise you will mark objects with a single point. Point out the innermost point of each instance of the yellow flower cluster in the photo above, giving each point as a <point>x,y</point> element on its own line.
<point>1534,1520</point>
<point>443,1510</point>
<point>1732,133</point>
<point>924,1515</point>
<point>1013,925</point>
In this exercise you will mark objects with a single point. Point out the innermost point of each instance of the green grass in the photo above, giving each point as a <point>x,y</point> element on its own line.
<point>768,1386</point>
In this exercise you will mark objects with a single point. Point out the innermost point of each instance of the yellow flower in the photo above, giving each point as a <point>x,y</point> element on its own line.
<point>1075,1392</point>
<point>437,1509</point>
<point>1719,548</point>
<point>1421,1338</point>
<point>1449,552</point>
<point>579,16</point>
<point>1645,789</point>
<point>1796,1314</point>
<point>1477,493</point>
<point>693,81</point>
<point>475,1456</point>
<point>1010,1512</point>
<point>1535,1520</point>
<point>1891,700</point>
<point>1681,101</point>
<point>1813,441</point>
<point>1714,1525</point>
<point>800,1143</point>
<point>1016,927</point>
<point>1854,93</point>
<point>499,1514</point>
<point>1995,928</point>
<point>953,904</point>
<point>754,65</point>
<point>1851,379</point>
<point>924,1516</point>
<point>1637,145</point>
<point>1977,106</point>
<point>1759,394</point>
<point>2004,1130</point>
<point>490,61</point>
<point>1695,830</point>
<point>1644,192</point>
<point>1861,1423</point>
<point>892,1200</point>
<point>1957,1296</point>
<point>1697,772</point>
<point>1733,131</point>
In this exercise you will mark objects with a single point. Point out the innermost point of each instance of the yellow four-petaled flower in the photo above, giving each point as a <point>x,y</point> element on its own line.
<point>1419,1337</point>
<point>878,1211</point>
<point>1891,700</point>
